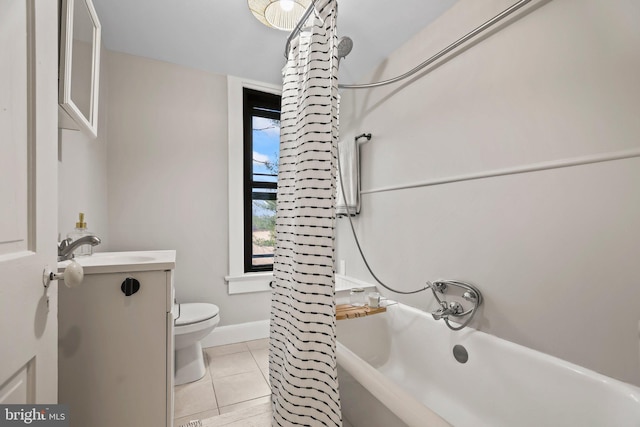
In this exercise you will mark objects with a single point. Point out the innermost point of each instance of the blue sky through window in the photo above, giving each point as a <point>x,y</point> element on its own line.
<point>266,147</point>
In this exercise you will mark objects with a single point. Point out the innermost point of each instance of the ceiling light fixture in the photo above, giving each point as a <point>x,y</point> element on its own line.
<point>286,5</point>
<point>279,14</point>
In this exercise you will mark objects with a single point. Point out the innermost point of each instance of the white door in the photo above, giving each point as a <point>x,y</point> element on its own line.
<point>28,200</point>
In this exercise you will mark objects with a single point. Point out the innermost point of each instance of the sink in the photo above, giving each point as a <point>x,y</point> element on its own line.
<point>117,258</point>
<point>120,262</point>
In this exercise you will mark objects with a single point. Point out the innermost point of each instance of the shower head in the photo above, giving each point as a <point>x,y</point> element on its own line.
<point>345,44</point>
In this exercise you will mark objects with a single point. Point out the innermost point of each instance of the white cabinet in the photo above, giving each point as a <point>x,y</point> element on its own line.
<point>79,74</point>
<point>116,350</point>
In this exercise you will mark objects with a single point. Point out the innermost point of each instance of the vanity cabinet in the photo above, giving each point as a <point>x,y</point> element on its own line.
<point>115,353</point>
<point>79,72</point>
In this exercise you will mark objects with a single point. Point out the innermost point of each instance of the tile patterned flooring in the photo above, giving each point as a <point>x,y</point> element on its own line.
<point>235,390</point>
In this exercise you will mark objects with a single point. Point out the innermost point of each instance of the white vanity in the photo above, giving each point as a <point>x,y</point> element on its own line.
<point>115,353</point>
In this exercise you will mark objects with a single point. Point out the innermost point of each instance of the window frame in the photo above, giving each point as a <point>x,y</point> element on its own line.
<point>268,105</point>
<point>239,282</point>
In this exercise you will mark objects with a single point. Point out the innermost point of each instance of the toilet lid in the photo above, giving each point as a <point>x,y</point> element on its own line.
<point>195,312</point>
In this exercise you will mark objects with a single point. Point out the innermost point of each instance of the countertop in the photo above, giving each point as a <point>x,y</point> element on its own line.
<point>119,262</point>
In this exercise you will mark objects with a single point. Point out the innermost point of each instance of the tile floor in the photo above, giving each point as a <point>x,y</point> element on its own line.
<point>236,383</point>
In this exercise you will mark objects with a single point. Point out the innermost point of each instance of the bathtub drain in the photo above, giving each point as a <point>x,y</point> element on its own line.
<point>460,353</point>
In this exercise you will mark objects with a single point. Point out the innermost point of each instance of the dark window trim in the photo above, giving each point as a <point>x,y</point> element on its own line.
<point>261,104</point>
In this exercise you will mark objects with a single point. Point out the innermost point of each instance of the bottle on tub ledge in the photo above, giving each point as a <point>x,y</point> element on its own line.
<point>78,232</point>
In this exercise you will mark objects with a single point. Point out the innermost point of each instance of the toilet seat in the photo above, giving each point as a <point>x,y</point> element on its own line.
<point>195,316</point>
<point>195,312</point>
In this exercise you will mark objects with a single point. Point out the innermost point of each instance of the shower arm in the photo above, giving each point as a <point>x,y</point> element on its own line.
<point>470,35</point>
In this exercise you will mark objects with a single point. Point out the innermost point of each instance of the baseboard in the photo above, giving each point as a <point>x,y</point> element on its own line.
<point>240,332</point>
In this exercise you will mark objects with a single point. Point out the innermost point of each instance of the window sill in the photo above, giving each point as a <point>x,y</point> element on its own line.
<point>259,282</point>
<point>249,283</point>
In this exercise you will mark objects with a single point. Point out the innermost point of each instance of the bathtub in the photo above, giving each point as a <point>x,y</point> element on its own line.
<point>397,368</point>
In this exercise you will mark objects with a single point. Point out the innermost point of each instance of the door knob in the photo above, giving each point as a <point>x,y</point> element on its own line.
<point>72,275</point>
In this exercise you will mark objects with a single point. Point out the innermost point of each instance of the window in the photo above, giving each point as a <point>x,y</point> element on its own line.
<point>238,280</point>
<point>261,126</point>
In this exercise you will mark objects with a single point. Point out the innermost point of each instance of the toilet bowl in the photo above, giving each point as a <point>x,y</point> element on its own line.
<point>193,322</point>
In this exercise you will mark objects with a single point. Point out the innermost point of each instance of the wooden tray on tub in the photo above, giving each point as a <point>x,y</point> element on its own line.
<point>348,311</point>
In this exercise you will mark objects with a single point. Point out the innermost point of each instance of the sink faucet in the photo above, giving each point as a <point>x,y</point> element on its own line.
<point>67,246</point>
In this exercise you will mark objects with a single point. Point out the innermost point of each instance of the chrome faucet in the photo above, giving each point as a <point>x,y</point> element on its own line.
<point>453,309</point>
<point>67,246</point>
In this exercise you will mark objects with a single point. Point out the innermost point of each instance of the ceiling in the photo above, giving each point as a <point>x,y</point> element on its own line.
<point>223,37</point>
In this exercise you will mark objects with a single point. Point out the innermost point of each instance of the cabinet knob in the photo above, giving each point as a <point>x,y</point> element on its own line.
<point>130,286</point>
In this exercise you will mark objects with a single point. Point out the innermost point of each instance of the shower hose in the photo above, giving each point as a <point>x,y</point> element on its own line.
<point>355,236</point>
<point>380,282</point>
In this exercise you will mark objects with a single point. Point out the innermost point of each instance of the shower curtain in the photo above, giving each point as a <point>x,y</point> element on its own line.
<point>302,350</point>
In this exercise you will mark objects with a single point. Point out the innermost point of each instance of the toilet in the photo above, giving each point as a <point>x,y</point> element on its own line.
<point>193,322</point>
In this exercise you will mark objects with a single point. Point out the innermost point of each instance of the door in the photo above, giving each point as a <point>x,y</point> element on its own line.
<point>28,200</point>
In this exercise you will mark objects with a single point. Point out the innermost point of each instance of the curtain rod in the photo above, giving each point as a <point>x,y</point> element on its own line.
<point>298,27</point>
<point>478,30</point>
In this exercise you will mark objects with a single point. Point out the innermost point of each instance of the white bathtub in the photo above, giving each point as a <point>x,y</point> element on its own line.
<point>397,368</point>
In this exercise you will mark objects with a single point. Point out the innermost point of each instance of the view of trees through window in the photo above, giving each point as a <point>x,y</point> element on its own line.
<point>266,140</point>
<point>262,149</point>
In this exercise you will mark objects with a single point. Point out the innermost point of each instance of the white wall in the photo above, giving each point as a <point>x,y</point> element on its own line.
<point>82,174</point>
<point>555,252</point>
<point>167,168</point>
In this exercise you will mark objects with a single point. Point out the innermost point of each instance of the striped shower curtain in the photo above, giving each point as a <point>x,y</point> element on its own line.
<point>302,352</point>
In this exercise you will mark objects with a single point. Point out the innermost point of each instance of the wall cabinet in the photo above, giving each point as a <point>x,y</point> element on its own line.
<point>79,73</point>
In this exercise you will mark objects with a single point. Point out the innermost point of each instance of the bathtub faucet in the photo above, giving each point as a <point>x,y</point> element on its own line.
<point>454,309</point>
